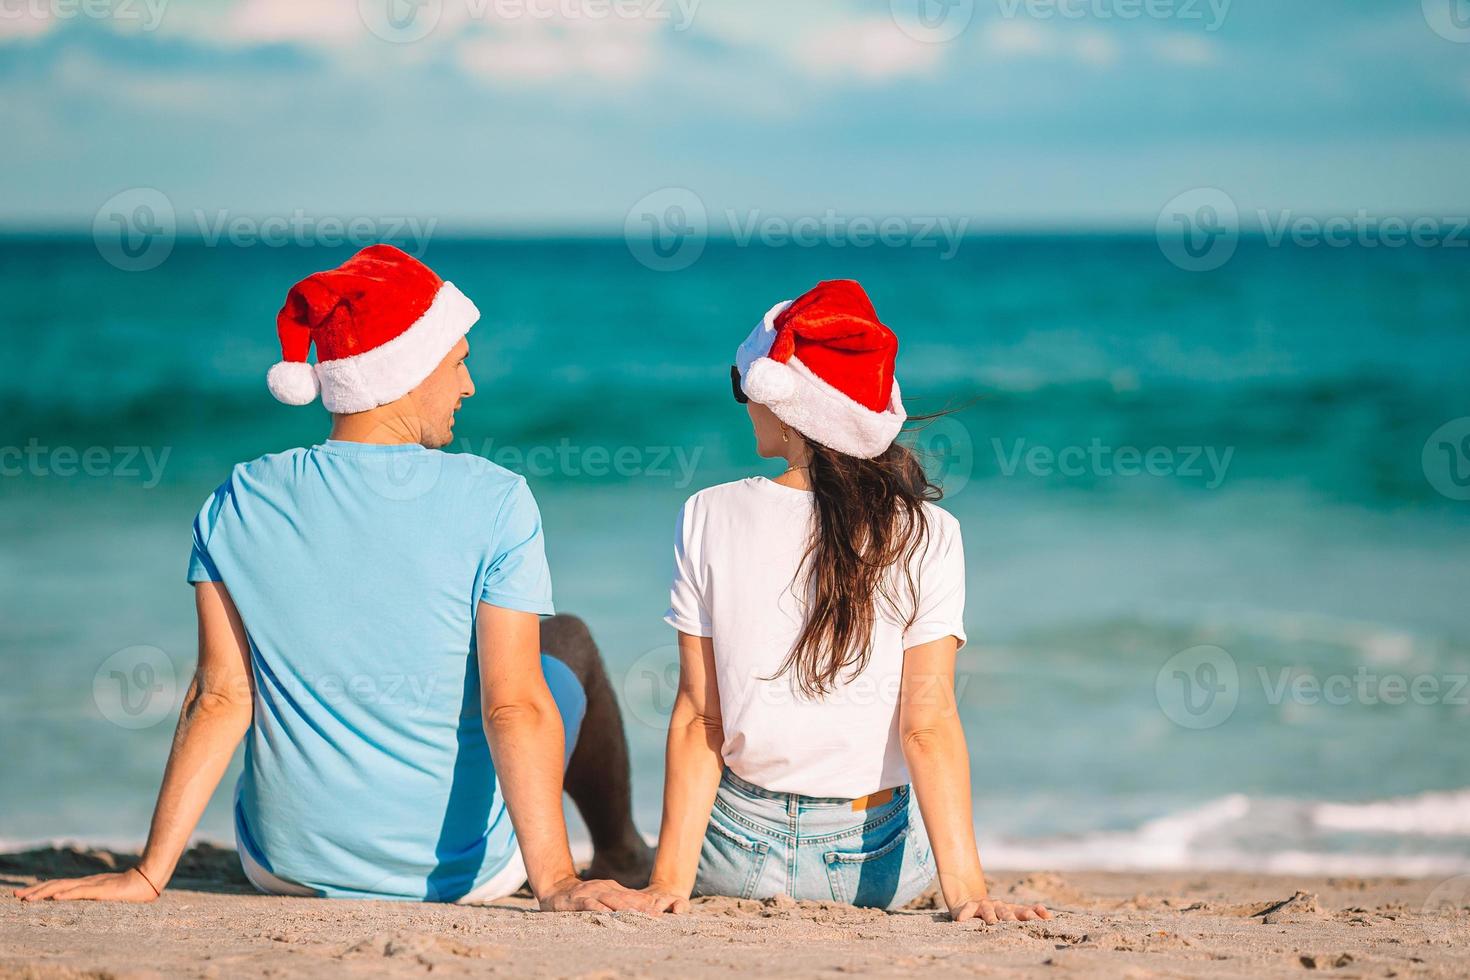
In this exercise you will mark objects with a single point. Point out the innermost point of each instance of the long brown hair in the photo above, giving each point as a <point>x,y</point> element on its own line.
<point>869,518</point>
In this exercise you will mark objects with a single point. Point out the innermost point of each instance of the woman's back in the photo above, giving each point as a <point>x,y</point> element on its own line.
<point>739,579</point>
<point>819,615</point>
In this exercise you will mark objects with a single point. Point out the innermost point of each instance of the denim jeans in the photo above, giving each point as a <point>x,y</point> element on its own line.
<point>761,844</point>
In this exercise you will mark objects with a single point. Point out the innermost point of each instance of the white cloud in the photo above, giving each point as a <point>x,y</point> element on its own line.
<point>1028,39</point>
<point>540,52</point>
<point>1096,49</point>
<point>825,40</point>
<point>872,49</point>
<point>274,21</point>
<point>23,21</point>
<point>1017,38</point>
<point>1185,49</point>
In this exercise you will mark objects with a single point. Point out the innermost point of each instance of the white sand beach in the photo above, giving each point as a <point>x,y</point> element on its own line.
<point>209,923</point>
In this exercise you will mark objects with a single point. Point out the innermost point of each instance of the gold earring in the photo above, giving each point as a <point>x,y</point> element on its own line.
<point>785,434</point>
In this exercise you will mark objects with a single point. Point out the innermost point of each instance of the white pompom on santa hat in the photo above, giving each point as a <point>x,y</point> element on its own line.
<point>824,364</point>
<point>381,322</point>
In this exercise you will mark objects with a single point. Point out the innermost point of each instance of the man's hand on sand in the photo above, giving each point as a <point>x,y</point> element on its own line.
<point>576,895</point>
<point>992,912</point>
<point>121,886</point>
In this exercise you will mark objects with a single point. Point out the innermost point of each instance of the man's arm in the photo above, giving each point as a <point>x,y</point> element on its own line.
<point>217,712</point>
<point>527,742</point>
<point>939,762</point>
<point>692,771</point>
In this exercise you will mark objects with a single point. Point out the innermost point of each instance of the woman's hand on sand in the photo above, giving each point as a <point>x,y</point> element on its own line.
<point>666,900</point>
<point>118,886</point>
<point>992,912</point>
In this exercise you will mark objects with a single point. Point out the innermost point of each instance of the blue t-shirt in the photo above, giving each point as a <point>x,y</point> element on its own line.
<point>357,570</point>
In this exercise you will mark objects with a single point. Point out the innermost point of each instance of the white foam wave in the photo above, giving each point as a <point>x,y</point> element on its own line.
<point>1266,836</point>
<point>1429,814</point>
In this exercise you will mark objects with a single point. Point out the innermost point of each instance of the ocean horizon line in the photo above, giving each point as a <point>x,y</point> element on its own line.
<point>21,234</point>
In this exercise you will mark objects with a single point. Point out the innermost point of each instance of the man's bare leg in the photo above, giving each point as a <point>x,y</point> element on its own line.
<point>598,778</point>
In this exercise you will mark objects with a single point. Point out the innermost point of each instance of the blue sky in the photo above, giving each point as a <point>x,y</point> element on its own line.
<point>524,115</point>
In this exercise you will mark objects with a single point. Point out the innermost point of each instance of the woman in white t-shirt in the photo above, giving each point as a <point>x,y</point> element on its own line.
<point>819,615</point>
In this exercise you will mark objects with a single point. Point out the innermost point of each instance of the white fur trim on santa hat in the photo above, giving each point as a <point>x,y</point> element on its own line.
<point>810,405</point>
<point>391,370</point>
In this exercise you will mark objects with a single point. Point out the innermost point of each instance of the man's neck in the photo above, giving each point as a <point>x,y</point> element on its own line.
<point>385,425</point>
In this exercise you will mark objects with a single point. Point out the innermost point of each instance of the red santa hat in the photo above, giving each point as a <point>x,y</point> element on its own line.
<point>381,322</point>
<point>824,365</point>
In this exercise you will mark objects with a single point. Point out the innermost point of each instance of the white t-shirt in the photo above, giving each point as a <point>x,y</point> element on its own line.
<point>737,549</point>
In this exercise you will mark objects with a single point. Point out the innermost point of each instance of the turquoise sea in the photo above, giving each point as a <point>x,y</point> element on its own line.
<point>1216,523</point>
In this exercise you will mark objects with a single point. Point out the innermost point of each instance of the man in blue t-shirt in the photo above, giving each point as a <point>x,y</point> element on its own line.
<point>369,624</point>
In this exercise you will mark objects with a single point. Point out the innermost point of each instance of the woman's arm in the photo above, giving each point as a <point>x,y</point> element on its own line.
<point>692,771</point>
<point>939,762</point>
<point>217,712</point>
